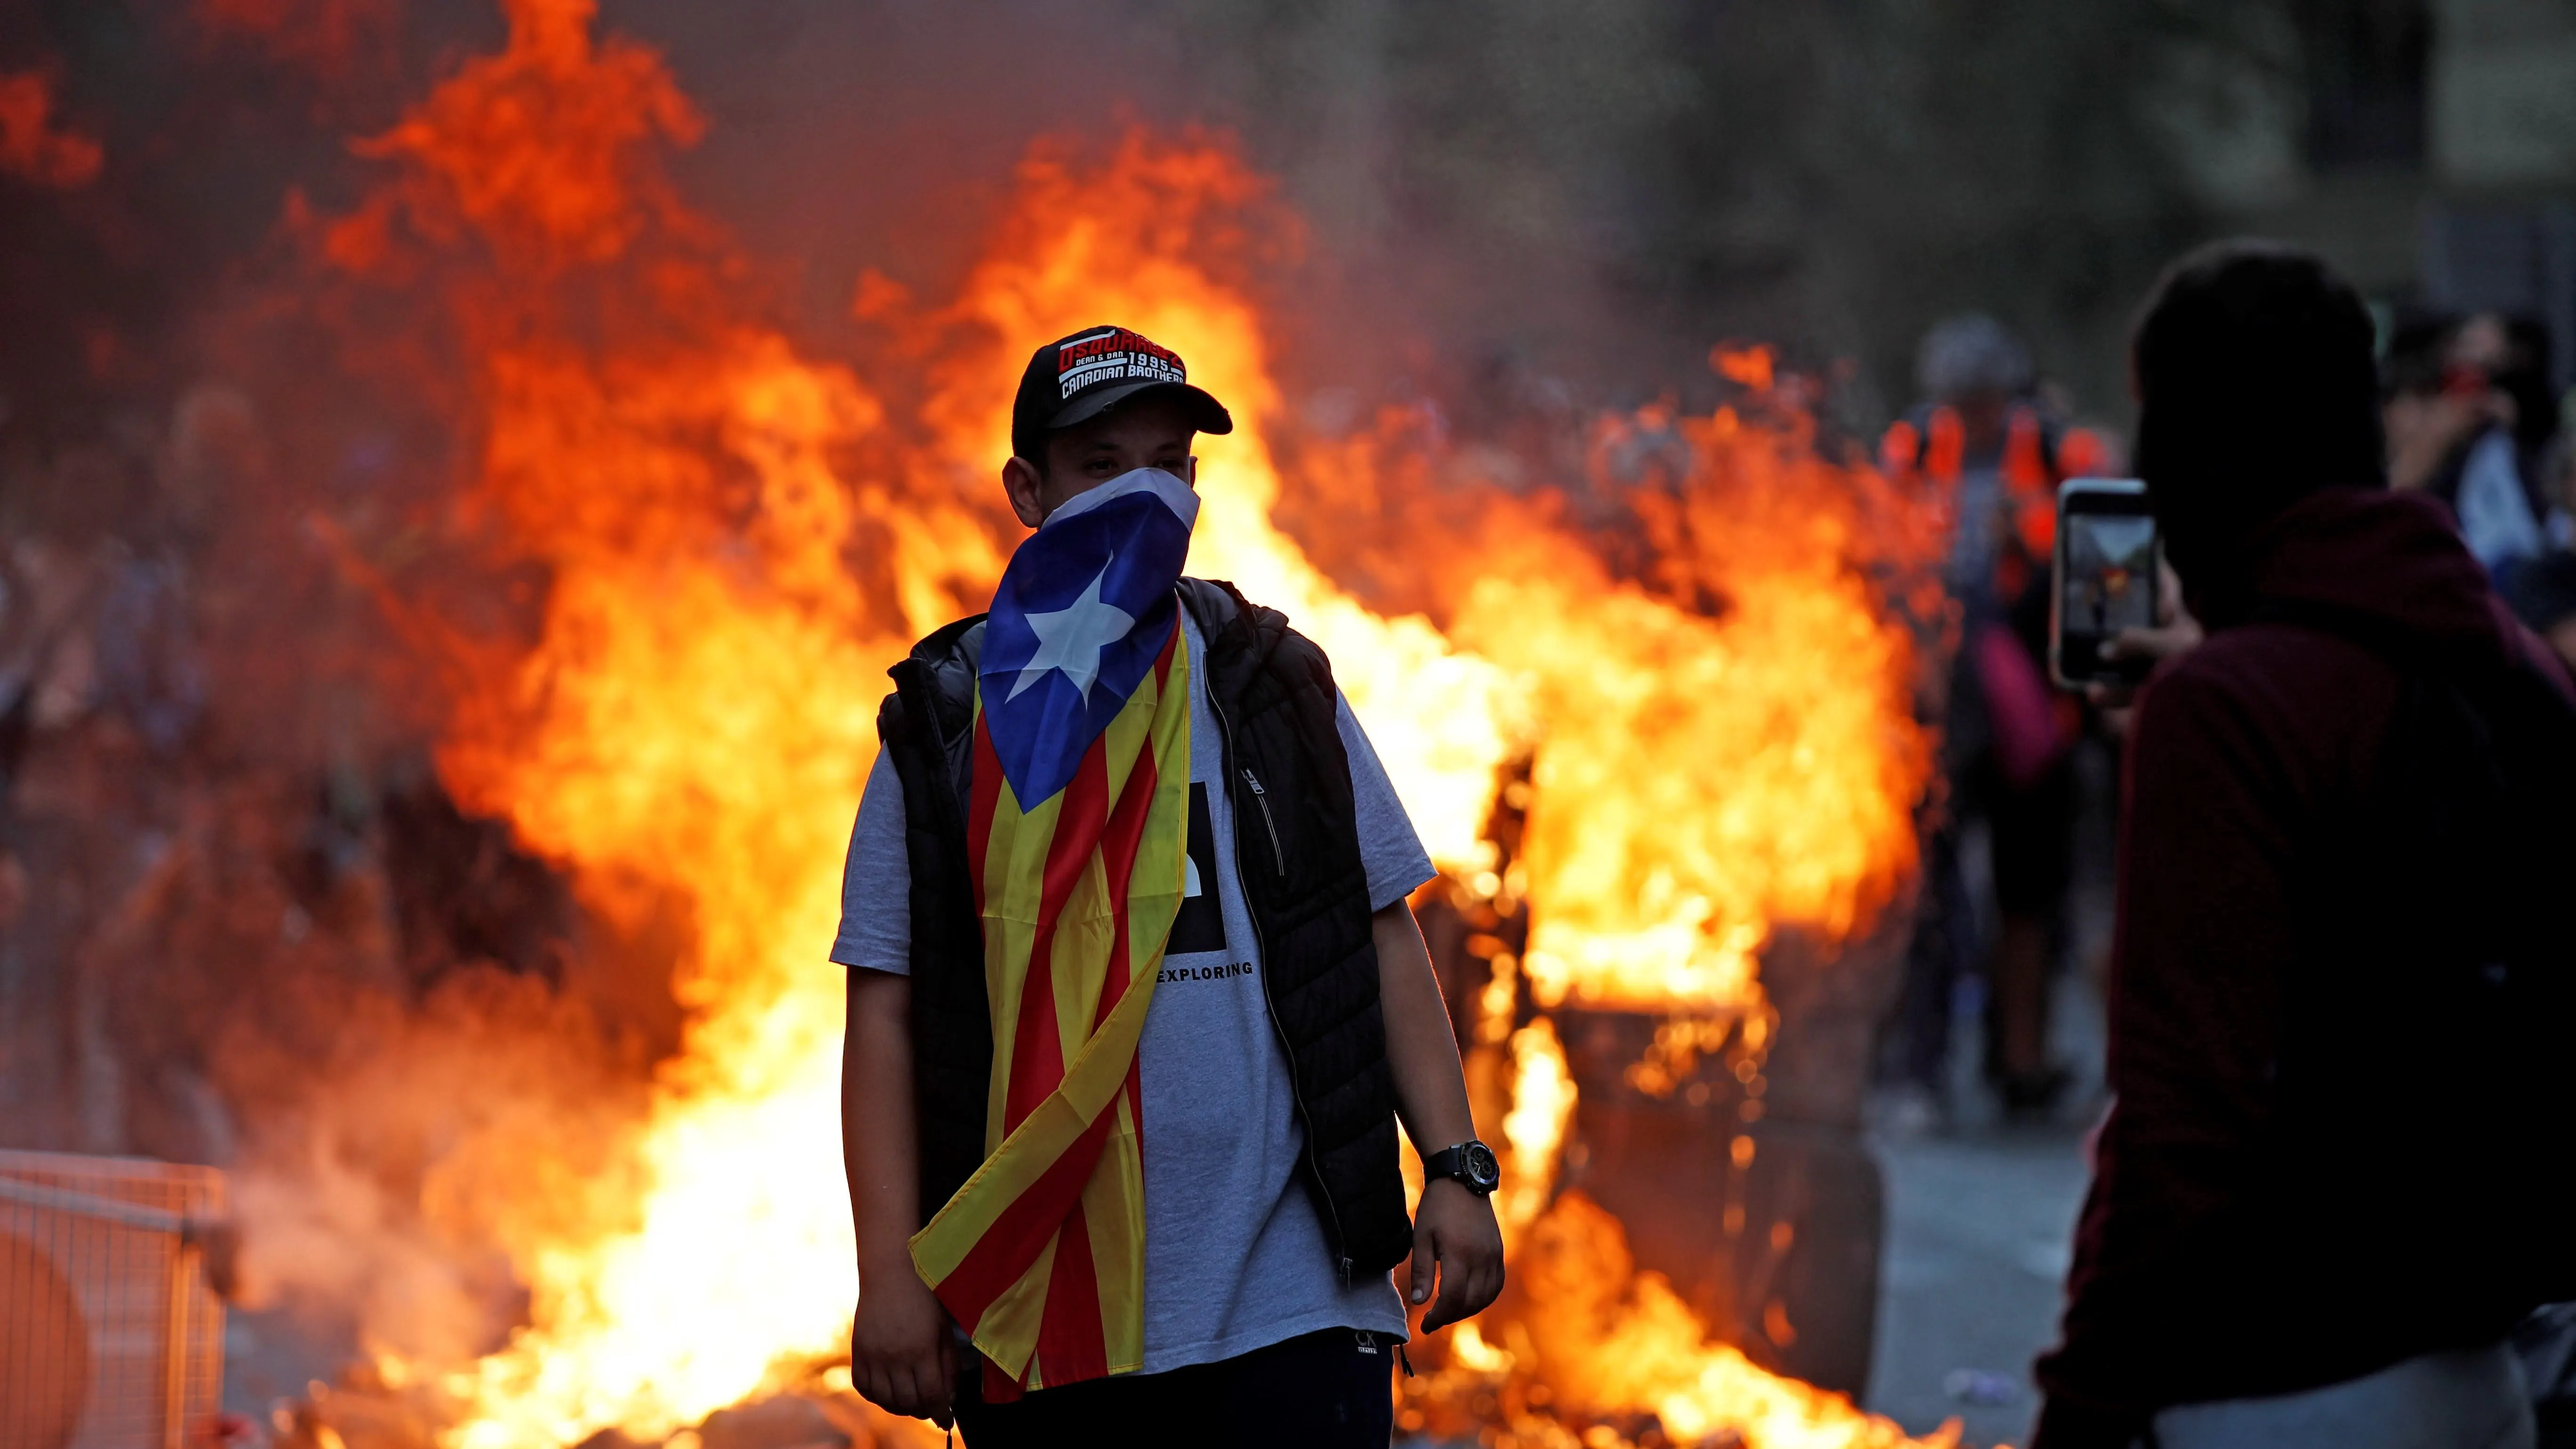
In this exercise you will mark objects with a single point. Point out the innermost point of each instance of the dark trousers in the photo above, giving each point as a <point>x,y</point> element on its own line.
<point>1326,1390</point>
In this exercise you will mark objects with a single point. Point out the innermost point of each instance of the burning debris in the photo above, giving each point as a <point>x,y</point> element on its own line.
<point>1654,719</point>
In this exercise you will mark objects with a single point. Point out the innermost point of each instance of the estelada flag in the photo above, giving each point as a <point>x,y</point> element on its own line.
<point>1077,839</point>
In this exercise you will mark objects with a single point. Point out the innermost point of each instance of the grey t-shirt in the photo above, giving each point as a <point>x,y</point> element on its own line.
<point>1235,1258</point>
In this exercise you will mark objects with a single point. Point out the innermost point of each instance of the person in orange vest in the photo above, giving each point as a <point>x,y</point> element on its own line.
<point>1988,445</point>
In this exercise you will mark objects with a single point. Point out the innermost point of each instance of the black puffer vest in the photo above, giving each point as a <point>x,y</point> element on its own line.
<point>1297,850</point>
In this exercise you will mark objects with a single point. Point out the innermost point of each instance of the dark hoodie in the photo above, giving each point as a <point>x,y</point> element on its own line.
<point>2220,1254</point>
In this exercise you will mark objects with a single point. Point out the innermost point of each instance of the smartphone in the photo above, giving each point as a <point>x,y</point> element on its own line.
<point>2104,579</point>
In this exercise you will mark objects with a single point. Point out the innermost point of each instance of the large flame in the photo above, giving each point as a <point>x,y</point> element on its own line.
<point>1145,241</point>
<point>1699,779</point>
<point>739,538</point>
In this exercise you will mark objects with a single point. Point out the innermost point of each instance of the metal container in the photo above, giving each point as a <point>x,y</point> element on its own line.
<point>1744,1180</point>
<point>110,1336</point>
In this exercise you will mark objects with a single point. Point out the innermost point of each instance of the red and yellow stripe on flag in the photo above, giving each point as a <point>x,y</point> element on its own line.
<point>1041,1255</point>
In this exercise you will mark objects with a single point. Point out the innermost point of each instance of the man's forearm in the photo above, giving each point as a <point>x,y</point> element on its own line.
<point>1421,1050</point>
<point>877,1145</point>
<point>1453,1228</point>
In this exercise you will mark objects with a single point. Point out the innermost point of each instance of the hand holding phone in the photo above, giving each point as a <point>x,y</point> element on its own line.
<point>2105,578</point>
<point>2176,632</point>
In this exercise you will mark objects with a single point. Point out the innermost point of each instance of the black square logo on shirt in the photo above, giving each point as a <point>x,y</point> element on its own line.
<point>1201,924</point>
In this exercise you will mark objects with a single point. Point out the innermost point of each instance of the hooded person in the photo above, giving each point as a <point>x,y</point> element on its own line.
<point>2317,1206</point>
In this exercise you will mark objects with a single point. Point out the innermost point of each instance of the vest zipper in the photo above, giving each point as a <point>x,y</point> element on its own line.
<point>1296,1093</point>
<point>1261,798</point>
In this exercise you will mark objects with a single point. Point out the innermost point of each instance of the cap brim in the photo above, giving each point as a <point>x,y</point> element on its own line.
<point>1207,415</point>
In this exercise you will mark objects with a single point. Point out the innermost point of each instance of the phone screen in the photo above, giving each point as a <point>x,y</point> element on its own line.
<point>2106,581</point>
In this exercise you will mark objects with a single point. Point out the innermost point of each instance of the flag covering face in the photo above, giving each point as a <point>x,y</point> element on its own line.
<point>1077,838</point>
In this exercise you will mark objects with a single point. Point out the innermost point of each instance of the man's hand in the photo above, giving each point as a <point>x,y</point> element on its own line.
<point>1455,1229</point>
<point>2176,632</point>
<point>902,1357</point>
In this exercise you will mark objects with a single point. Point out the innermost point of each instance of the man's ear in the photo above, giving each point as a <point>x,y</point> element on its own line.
<point>1021,481</point>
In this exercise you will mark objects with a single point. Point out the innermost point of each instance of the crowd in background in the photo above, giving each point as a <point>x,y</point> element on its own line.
<point>2473,419</point>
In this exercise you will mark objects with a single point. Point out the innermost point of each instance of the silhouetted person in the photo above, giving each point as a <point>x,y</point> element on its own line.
<point>2339,990</point>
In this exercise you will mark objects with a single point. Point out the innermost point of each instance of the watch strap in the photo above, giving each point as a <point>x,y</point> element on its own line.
<point>1451,1162</point>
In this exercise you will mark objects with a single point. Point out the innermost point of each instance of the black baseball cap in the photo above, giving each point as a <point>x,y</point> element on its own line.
<point>1075,379</point>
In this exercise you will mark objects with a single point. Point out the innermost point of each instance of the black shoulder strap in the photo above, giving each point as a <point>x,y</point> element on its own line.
<point>1214,605</point>
<point>935,696</point>
<point>927,728</point>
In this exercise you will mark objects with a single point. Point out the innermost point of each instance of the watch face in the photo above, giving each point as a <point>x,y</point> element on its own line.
<point>1483,1173</point>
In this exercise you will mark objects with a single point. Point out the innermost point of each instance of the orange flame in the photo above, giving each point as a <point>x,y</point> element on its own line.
<point>1534,1129</point>
<point>1614,1340</point>
<point>1150,240</point>
<point>1719,744</point>
<point>692,725</point>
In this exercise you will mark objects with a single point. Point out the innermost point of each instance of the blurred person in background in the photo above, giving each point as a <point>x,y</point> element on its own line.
<point>2543,591</point>
<point>2007,738</point>
<point>2558,479</point>
<point>2470,419</point>
<point>2544,598</point>
<point>2321,1200</point>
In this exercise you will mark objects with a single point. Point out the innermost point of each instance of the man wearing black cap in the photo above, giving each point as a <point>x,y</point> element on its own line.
<point>1293,1020</point>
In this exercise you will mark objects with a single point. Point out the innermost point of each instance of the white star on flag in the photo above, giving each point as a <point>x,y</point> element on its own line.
<point>1071,639</point>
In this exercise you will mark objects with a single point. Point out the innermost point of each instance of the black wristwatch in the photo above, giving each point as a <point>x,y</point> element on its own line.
<point>1470,1162</point>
